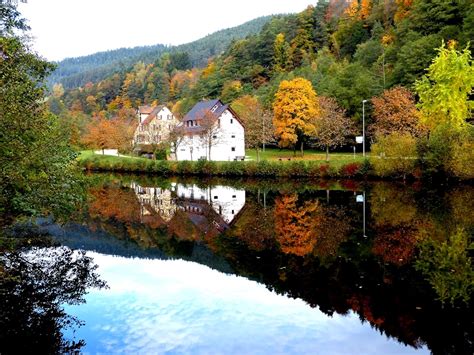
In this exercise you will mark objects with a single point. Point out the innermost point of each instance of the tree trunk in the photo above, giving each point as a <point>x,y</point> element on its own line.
<point>327,152</point>
<point>258,155</point>
<point>302,152</point>
<point>294,150</point>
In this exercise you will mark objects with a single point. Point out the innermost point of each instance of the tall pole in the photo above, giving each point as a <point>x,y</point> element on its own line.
<point>363,127</point>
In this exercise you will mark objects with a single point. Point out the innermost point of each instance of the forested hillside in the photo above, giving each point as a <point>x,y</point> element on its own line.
<point>349,50</point>
<point>76,72</point>
<point>336,55</point>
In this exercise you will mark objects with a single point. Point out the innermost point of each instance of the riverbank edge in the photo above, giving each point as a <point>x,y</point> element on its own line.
<point>287,169</point>
<point>357,170</point>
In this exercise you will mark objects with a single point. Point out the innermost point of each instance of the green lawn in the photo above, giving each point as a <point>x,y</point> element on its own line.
<point>84,154</point>
<point>284,155</point>
<point>336,160</point>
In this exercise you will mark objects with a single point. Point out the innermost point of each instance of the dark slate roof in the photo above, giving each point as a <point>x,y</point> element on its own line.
<point>153,114</point>
<point>204,107</point>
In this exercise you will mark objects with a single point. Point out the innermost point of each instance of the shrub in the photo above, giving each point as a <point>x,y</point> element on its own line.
<point>461,163</point>
<point>350,169</point>
<point>394,155</point>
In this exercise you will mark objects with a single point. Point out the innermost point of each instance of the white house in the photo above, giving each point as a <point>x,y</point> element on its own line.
<point>154,125</point>
<point>212,131</point>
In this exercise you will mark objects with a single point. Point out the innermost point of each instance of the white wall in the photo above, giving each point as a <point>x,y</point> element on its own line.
<point>231,135</point>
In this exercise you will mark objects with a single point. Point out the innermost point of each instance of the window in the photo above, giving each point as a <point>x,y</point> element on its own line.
<point>214,137</point>
<point>215,197</point>
<point>232,211</point>
<point>231,120</point>
<point>234,196</point>
<point>161,117</point>
<point>232,149</point>
<point>214,108</point>
<point>219,123</point>
<point>232,136</point>
<point>168,117</point>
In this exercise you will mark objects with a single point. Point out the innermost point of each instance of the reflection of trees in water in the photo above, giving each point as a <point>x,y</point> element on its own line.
<point>34,285</point>
<point>447,266</point>
<point>295,224</point>
<point>308,246</point>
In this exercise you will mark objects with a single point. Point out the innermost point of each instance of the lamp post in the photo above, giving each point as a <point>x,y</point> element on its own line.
<point>363,127</point>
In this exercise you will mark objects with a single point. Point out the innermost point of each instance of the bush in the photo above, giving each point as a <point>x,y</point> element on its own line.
<point>394,155</point>
<point>351,169</point>
<point>461,163</point>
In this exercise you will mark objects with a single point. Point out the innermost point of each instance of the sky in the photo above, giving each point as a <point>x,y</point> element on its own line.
<point>71,28</point>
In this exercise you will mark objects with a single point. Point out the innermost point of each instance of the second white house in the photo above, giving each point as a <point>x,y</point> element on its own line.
<point>212,131</point>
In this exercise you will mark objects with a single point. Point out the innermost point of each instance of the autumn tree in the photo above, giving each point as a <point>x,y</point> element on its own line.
<point>294,108</point>
<point>332,126</point>
<point>105,133</point>
<point>395,111</point>
<point>257,122</point>
<point>446,90</point>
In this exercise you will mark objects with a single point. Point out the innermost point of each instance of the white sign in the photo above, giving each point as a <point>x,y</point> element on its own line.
<point>360,198</point>
<point>359,139</point>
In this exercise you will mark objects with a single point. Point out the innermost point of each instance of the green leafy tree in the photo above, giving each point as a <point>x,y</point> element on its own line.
<point>446,89</point>
<point>38,169</point>
<point>281,57</point>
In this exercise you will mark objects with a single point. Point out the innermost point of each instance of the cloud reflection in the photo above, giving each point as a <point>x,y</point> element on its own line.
<point>175,306</point>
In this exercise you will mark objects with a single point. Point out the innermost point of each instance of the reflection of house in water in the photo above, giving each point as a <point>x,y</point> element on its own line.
<point>205,206</point>
<point>155,200</point>
<point>218,204</point>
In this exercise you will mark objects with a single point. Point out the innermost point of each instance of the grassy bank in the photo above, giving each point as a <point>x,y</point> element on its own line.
<point>346,168</point>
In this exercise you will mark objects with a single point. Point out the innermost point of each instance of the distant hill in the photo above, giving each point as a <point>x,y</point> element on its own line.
<point>75,72</point>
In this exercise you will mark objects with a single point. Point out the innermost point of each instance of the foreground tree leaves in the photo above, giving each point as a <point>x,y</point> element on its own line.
<point>35,284</point>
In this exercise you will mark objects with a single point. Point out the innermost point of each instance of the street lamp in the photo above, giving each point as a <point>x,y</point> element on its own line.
<point>363,126</point>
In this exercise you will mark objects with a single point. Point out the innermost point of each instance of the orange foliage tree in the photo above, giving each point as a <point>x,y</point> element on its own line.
<point>395,111</point>
<point>295,107</point>
<point>105,133</point>
<point>403,9</point>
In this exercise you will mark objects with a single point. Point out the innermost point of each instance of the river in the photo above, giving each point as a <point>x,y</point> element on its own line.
<point>267,267</point>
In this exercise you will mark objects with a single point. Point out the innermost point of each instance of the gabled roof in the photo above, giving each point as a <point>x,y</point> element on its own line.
<point>201,109</point>
<point>153,114</point>
<point>145,109</point>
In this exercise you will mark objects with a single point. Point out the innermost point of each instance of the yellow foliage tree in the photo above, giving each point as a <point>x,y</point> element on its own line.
<point>295,107</point>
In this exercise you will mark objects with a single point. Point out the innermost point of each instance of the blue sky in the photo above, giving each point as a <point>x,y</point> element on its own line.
<point>69,28</point>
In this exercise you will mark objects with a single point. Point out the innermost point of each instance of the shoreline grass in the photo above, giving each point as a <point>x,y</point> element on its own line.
<point>347,168</point>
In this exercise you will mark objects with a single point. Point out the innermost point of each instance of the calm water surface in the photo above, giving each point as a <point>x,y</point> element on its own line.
<point>265,267</point>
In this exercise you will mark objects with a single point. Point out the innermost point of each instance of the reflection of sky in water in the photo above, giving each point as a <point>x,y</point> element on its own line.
<point>156,306</point>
